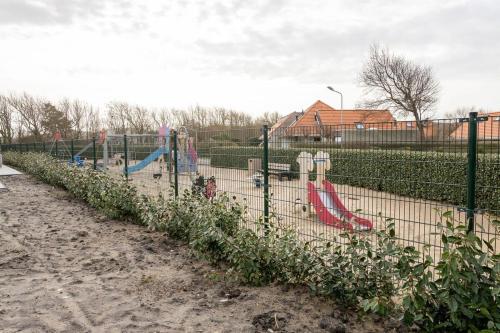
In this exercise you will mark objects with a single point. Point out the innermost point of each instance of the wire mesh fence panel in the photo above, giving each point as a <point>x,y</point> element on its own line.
<point>325,180</point>
<point>321,180</point>
<point>146,161</point>
<point>231,158</point>
<point>487,193</point>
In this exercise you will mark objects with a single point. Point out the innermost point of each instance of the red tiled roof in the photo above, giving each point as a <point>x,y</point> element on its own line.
<point>321,114</point>
<point>489,129</point>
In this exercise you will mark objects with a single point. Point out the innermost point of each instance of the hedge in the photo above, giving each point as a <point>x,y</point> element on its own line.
<point>424,175</point>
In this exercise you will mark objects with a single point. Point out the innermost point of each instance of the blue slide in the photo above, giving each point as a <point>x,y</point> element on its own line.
<point>142,164</point>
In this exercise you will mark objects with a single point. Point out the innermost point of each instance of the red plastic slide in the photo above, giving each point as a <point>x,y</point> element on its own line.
<point>330,209</point>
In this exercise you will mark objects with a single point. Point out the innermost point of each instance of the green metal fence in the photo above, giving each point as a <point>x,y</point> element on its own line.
<point>321,180</point>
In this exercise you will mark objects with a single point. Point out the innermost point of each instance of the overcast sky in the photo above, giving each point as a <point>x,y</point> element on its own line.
<point>252,55</point>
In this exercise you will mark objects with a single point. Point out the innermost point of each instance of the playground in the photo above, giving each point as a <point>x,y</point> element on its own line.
<point>315,209</point>
<point>304,201</point>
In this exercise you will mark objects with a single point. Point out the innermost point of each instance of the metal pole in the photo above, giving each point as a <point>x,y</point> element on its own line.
<point>341,114</point>
<point>94,152</point>
<point>43,146</point>
<point>265,168</point>
<point>125,153</point>
<point>176,174</point>
<point>57,151</point>
<point>471,170</point>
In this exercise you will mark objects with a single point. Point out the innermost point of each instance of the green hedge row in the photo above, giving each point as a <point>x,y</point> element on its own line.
<point>425,175</point>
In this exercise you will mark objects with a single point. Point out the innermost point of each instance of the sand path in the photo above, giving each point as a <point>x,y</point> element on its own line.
<point>66,268</point>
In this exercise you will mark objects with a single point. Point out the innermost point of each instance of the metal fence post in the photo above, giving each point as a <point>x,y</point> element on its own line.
<point>125,153</point>
<point>176,174</point>
<point>471,170</point>
<point>94,152</point>
<point>43,146</point>
<point>57,150</point>
<point>265,168</point>
<point>72,151</point>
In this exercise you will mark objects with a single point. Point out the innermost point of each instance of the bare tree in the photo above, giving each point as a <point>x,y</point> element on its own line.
<point>6,121</point>
<point>30,110</point>
<point>462,112</point>
<point>139,120</point>
<point>269,118</point>
<point>77,114</point>
<point>399,85</point>
<point>117,117</point>
<point>92,123</point>
<point>162,117</point>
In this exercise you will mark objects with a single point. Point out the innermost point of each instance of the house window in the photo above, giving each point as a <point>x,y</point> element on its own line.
<point>496,118</point>
<point>317,139</point>
<point>360,126</point>
<point>409,124</point>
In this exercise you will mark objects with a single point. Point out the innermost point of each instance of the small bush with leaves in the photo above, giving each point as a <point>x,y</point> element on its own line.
<point>252,257</point>
<point>214,223</point>
<point>114,197</point>
<point>465,295</point>
<point>365,269</point>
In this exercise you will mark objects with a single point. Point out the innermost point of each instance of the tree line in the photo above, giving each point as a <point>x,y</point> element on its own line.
<point>24,118</point>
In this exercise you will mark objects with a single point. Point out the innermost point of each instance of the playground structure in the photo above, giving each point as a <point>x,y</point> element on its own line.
<point>150,158</point>
<point>187,156</point>
<point>327,205</point>
<point>56,141</point>
<point>158,154</point>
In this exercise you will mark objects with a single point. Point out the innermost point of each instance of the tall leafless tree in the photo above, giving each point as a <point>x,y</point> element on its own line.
<point>400,85</point>
<point>92,123</point>
<point>139,120</point>
<point>117,117</point>
<point>30,110</point>
<point>269,118</point>
<point>6,121</point>
<point>162,117</point>
<point>462,112</point>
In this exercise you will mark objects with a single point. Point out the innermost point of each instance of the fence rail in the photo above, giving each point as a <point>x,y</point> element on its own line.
<point>320,180</point>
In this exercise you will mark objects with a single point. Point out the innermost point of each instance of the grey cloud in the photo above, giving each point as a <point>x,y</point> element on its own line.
<point>468,32</point>
<point>22,12</point>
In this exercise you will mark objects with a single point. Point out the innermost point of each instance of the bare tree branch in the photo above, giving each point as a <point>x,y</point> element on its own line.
<point>398,84</point>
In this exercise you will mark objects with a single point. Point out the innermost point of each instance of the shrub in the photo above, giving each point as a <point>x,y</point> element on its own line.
<point>252,257</point>
<point>114,197</point>
<point>214,223</point>
<point>365,270</point>
<point>465,295</point>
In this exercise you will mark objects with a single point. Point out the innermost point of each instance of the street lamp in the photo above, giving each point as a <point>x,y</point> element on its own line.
<point>341,103</point>
<point>341,112</point>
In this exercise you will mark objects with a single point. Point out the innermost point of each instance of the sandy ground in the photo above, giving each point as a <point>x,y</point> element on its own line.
<point>66,268</point>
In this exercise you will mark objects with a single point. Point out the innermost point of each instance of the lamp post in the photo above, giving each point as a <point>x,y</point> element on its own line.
<point>341,103</point>
<point>341,111</point>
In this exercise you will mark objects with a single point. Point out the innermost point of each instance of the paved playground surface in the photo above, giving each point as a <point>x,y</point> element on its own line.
<point>6,171</point>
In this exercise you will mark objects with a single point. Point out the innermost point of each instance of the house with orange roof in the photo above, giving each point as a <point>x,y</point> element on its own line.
<point>322,123</point>
<point>488,129</point>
